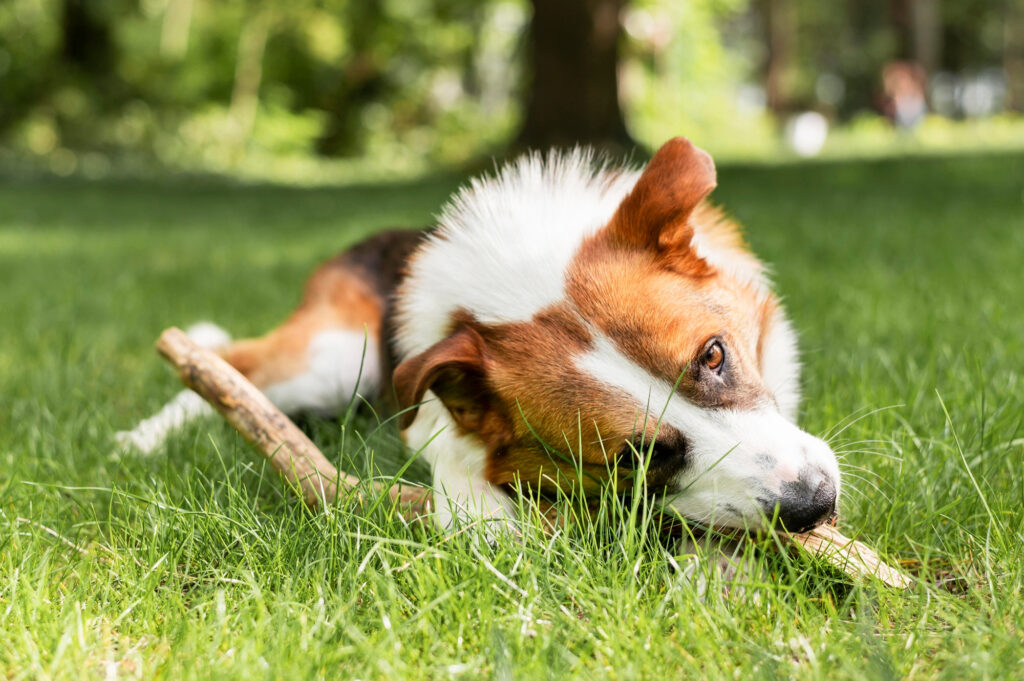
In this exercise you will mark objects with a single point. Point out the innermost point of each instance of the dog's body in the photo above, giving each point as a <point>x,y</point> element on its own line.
<point>609,316</point>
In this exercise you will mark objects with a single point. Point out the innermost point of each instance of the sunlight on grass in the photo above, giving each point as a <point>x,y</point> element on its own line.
<point>901,275</point>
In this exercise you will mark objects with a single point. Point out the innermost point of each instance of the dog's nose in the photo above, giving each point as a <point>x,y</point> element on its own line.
<point>808,502</point>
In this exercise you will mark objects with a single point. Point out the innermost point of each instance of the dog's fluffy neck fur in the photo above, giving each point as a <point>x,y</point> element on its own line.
<point>510,238</point>
<point>513,234</point>
<point>500,254</point>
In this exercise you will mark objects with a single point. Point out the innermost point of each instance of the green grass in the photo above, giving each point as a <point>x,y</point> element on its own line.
<point>903,276</point>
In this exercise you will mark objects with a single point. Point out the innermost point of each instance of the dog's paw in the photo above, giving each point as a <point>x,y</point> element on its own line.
<point>136,441</point>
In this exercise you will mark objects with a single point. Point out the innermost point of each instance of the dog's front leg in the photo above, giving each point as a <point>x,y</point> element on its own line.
<point>462,495</point>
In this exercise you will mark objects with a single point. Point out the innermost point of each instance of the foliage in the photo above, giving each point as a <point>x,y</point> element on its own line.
<point>336,77</point>
<point>680,75</point>
<point>196,563</point>
<point>222,85</point>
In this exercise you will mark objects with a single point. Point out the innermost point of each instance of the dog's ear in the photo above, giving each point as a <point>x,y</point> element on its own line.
<point>656,214</point>
<point>454,369</point>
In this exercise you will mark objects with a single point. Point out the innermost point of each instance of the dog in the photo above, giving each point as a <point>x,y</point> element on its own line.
<point>610,315</point>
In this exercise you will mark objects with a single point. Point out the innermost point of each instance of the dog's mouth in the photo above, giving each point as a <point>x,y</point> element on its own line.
<point>760,531</point>
<point>783,516</point>
<point>801,529</point>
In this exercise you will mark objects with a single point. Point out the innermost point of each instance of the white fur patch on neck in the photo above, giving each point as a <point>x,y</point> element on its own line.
<point>504,243</point>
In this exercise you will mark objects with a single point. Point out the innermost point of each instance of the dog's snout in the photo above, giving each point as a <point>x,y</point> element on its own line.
<point>808,502</point>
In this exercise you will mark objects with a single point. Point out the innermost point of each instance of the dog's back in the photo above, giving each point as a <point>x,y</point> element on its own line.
<point>333,348</point>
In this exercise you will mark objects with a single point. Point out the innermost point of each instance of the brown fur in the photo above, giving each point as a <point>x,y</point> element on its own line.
<point>335,297</point>
<point>643,286</point>
<point>638,281</point>
<point>655,216</point>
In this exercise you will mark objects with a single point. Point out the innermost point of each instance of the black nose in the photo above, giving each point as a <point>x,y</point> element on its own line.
<point>808,502</point>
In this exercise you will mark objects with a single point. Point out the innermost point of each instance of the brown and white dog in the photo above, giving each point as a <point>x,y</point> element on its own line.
<point>592,309</point>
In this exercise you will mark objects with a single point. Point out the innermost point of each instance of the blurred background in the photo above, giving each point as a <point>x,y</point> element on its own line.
<point>317,89</point>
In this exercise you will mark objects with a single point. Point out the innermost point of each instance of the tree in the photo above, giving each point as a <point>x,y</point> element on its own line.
<point>1013,54</point>
<point>86,41</point>
<point>779,17</point>
<point>573,92</point>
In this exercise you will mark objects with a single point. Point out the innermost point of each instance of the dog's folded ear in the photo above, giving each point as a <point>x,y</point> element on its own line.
<point>656,213</point>
<point>454,369</point>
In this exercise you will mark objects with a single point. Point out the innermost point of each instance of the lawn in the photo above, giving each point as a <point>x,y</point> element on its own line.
<point>904,278</point>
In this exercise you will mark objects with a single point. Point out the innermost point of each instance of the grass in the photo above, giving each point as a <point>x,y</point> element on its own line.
<point>903,276</point>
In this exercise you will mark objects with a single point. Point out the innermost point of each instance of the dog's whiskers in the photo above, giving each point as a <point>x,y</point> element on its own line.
<point>857,494</point>
<point>851,420</point>
<point>842,454</point>
<point>867,481</point>
<point>848,443</point>
<point>859,473</point>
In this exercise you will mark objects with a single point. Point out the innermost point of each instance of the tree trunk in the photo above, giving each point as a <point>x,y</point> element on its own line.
<point>862,75</point>
<point>573,97</point>
<point>85,39</point>
<point>927,19</point>
<point>902,25</point>
<point>918,28</point>
<point>361,80</point>
<point>780,34</point>
<point>1013,54</point>
<point>245,95</point>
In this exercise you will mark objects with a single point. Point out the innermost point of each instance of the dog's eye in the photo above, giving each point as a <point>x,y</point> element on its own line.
<point>714,357</point>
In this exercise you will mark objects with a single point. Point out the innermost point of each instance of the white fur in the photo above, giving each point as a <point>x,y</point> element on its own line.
<point>737,264</point>
<point>331,375</point>
<point>208,335</point>
<point>461,494</point>
<point>503,244</point>
<point>724,477</point>
<point>149,434</point>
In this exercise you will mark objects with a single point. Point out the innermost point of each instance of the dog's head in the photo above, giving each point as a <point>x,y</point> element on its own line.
<point>667,354</point>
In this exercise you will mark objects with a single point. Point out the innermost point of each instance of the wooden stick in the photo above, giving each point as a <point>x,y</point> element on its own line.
<point>295,456</point>
<point>852,557</point>
<point>287,448</point>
